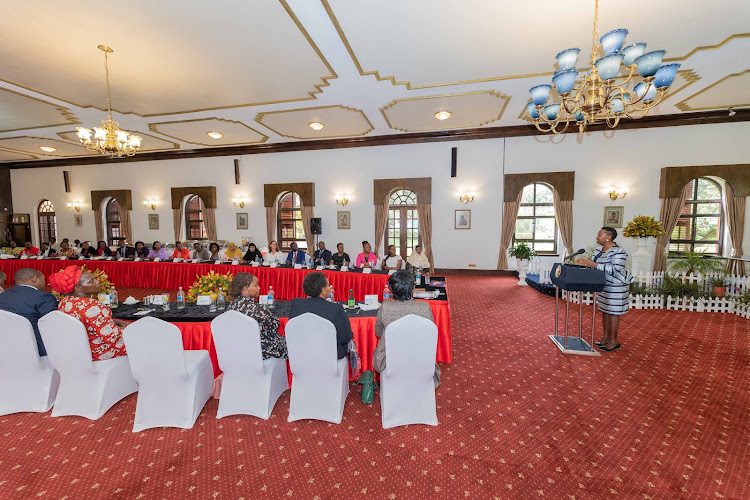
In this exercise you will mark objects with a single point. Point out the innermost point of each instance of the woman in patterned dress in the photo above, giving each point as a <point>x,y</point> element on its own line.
<point>614,300</point>
<point>105,333</point>
<point>244,288</point>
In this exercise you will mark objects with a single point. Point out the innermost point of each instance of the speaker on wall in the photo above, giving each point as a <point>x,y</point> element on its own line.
<point>454,161</point>
<point>316,225</point>
<point>236,171</point>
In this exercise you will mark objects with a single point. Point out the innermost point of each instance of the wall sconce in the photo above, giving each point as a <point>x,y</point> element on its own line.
<point>342,199</point>
<point>614,195</point>
<point>76,205</point>
<point>150,204</point>
<point>466,197</point>
<point>239,202</point>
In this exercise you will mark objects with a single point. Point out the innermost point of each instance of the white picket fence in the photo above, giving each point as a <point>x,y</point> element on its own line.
<point>714,304</point>
<point>536,266</point>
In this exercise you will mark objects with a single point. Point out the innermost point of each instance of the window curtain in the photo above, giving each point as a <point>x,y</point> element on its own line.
<point>209,221</point>
<point>271,223</point>
<point>307,214</point>
<point>734,206</point>
<point>669,214</point>
<point>564,219</point>
<point>424,211</point>
<point>99,223</point>
<point>124,215</point>
<point>381,221</point>
<point>510,213</point>
<point>177,221</point>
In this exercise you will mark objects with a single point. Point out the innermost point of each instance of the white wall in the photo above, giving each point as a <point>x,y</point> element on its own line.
<point>632,158</point>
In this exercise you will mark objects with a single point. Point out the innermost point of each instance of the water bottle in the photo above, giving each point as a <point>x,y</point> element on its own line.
<point>221,302</point>
<point>180,299</point>
<point>351,302</point>
<point>419,276</point>
<point>113,298</point>
<point>330,295</point>
<point>386,294</point>
<point>271,295</point>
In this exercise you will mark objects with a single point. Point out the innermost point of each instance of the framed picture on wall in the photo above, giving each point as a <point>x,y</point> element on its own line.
<point>613,216</point>
<point>153,221</point>
<point>78,220</point>
<point>463,219</point>
<point>241,221</point>
<point>343,220</point>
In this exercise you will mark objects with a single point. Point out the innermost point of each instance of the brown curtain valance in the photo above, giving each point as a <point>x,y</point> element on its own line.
<point>206,193</point>
<point>422,186</point>
<point>673,179</point>
<point>563,182</point>
<point>305,190</point>
<point>123,197</point>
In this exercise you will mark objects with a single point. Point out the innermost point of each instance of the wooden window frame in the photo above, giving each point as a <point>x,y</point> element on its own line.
<point>533,240</point>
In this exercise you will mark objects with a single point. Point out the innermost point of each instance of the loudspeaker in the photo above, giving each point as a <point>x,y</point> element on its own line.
<point>236,171</point>
<point>316,225</point>
<point>454,161</point>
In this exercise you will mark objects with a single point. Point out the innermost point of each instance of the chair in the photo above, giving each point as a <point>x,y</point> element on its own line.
<point>87,388</point>
<point>320,382</point>
<point>174,383</point>
<point>27,381</point>
<point>251,385</point>
<point>407,389</point>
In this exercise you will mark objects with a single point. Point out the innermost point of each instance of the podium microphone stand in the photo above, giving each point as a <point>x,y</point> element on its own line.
<point>574,278</point>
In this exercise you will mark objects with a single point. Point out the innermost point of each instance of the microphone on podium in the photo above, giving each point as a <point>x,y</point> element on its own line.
<point>579,252</point>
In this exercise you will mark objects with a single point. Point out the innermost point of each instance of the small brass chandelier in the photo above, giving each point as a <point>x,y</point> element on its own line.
<point>109,139</point>
<point>597,97</point>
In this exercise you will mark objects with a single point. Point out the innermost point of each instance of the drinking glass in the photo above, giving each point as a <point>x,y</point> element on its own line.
<point>165,298</point>
<point>212,306</point>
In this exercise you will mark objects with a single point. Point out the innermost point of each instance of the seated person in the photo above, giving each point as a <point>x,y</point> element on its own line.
<point>296,256</point>
<point>214,251</point>
<point>315,286</point>
<point>102,249</point>
<point>274,254</point>
<point>3,277</point>
<point>232,252</point>
<point>77,244</point>
<point>66,251</point>
<point>124,251</point>
<point>322,256</point>
<point>367,258</point>
<point>105,333</point>
<point>141,251</point>
<point>180,252</point>
<point>157,252</point>
<point>340,257</point>
<point>392,261</point>
<point>46,250</point>
<point>53,243</point>
<point>87,251</point>
<point>253,254</point>
<point>401,284</point>
<point>200,253</point>
<point>417,260</point>
<point>12,248</point>
<point>29,250</point>
<point>244,289</point>
<point>28,299</point>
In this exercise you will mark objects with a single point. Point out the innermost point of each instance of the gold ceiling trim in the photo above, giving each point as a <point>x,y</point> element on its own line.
<point>311,94</point>
<point>259,117</point>
<point>409,86</point>
<point>684,106</point>
<point>46,140</point>
<point>153,127</point>
<point>30,156</point>
<point>490,92</point>
<point>136,132</point>
<point>65,112</point>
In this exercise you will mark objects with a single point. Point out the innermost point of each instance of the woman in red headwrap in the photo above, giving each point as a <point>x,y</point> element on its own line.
<point>105,333</point>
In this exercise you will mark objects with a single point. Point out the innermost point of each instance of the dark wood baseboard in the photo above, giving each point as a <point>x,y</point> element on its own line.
<point>475,272</point>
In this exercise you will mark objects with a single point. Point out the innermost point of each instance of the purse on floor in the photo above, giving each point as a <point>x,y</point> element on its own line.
<point>367,379</point>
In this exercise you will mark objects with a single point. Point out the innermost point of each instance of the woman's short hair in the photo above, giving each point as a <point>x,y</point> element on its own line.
<point>612,232</point>
<point>240,281</point>
<point>314,283</point>
<point>401,284</point>
<point>136,243</point>
<point>213,244</point>
<point>365,242</point>
<point>153,245</point>
<point>99,243</point>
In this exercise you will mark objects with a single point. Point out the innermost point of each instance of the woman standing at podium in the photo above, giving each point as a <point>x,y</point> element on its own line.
<point>614,300</point>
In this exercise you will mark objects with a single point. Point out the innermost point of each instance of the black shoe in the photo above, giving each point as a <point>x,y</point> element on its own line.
<point>604,348</point>
<point>598,344</point>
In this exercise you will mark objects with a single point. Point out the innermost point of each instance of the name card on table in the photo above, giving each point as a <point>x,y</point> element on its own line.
<point>63,258</point>
<point>263,299</point>
<point>344,269</point>
<point>195,261</point>
<point>24,257</point>
<point>235,262</point>
<point>137,259</point>
<point>203,300</point>
<point>371,299</point>
<point>109,258</point>
<point>274,264</point>
<point>391,272</point>
<point>157,259</point>
<point>157,300</point>
<point>298,266</point>
<point>81,258</point>
<point>175,260</point>
<point>217,262</point>
<point>320,268</point>
<point>255,264</point>
<point>120,259</point>
<point>366,270</point>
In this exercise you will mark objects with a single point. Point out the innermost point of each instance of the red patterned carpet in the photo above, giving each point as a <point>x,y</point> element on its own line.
<point>667,416</point>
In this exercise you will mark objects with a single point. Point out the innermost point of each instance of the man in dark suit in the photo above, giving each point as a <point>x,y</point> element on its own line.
<point>295,256</point>
<point>28,299</point>
<point>317,288</point>
<point>124,250</point>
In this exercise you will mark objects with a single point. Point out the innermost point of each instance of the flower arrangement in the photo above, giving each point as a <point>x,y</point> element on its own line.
<point>643,226</point>
<point>208,284</point>
<point>99,275</point>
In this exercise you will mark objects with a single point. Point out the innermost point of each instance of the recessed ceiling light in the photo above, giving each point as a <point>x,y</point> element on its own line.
<point>47,149</point>
<point>315,125</point>
<point>215,135</point>
<point>443,115</point>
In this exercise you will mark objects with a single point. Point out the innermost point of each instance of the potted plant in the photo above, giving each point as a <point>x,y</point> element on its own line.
<point>523,254</point>
<point>718,285</point>
<point>642,228</point>
<point>696,263</point>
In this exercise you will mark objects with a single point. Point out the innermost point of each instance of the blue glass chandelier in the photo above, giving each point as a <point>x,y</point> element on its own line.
<point>600,96</point>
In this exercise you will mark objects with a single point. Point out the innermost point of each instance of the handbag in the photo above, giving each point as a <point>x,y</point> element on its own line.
<point>367,379</point>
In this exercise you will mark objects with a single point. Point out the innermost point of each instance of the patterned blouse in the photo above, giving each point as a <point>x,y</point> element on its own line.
<point>272,344</point>
<point>105,337</point>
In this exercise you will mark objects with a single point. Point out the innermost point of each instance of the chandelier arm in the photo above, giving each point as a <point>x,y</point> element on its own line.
<point>632,68</point>
<point>555,131</point>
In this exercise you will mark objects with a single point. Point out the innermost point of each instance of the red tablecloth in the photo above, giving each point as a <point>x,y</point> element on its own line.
<point>287,283</point>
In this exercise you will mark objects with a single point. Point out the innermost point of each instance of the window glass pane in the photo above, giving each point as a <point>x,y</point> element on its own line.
<point>524,229</point>
<point>545,210</point>
<point>545,229</point>
<point>528,194</point>
<point>708,208</point>
<point>544,246</point>
<point>708,190</point>
<point>543,194</point>
<point>525,211</point>
<point>707,228</point>
<point>707,248</point>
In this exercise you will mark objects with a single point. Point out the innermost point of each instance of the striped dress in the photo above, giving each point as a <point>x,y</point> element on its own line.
<point>615,298</point>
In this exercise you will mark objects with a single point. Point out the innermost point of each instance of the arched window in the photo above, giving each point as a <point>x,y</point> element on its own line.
<point>536,224</point>
<point>47,221</point>
<point>112,219</point>
<point>403,222</point>
<point>195,229</point>
<point>289,222</point>
<point>700,227</point>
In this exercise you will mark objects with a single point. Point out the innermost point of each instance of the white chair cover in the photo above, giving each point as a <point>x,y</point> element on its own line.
<point>251,385</point>
<point>320,382</point>
<point>174,384</point>
<point>27,382</point>
<point>87,388</point>
<point>407,389</point>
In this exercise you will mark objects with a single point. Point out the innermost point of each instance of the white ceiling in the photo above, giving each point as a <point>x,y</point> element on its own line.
<point>265,68</point>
